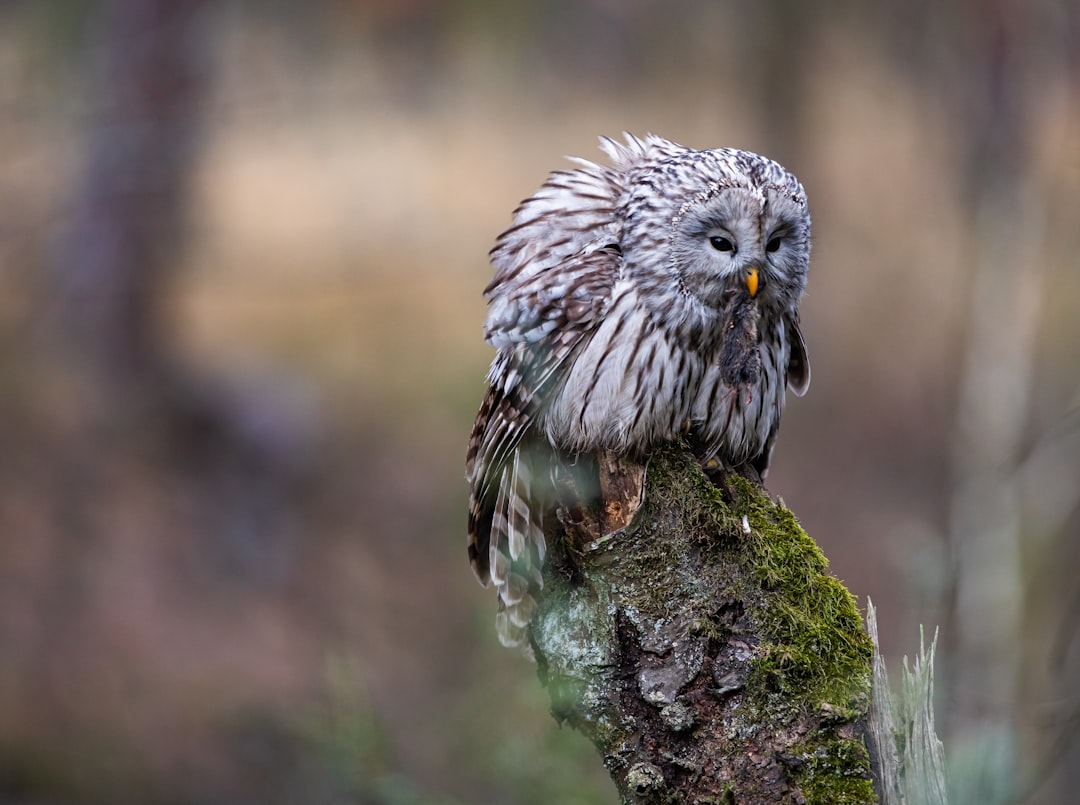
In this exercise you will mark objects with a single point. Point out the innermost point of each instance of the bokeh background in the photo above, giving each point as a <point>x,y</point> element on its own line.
<point>242,246</point>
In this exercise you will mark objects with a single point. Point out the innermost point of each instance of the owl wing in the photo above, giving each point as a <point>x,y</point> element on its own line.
<point>537,322</point>
<point>572,213</point>
<point>554,273</point>
<point>798,368</point>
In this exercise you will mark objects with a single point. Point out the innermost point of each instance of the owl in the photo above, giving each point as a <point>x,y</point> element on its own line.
<point>632,304</point>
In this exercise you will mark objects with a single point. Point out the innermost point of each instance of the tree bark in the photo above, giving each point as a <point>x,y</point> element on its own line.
<point>693,634</point>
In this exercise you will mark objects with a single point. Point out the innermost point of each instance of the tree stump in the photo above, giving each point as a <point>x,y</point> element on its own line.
<point>693,633</point>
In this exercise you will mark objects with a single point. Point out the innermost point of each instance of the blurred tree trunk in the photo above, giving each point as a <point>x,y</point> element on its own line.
<point>128,213</point>
<point>242,448</point>
<point>701,644</point>
<point>996,69</point>
<point>986,530</point>
<point>102,297</point>
<point>779,48</point>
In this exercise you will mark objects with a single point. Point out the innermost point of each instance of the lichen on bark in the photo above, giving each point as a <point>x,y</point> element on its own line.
<point>703,646</point>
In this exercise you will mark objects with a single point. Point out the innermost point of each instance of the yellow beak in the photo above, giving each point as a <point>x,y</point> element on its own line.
<point>752,281</point>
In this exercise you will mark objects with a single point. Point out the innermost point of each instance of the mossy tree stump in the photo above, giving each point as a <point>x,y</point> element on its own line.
<point>703,647</point>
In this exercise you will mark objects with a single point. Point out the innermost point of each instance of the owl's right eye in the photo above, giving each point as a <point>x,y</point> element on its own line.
<point>722,244</point>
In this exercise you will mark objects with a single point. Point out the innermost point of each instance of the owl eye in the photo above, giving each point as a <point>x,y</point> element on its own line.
<point>722,244</point>
<point>773,245</point>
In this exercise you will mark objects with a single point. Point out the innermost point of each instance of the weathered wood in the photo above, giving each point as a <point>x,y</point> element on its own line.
<point>888,775</point>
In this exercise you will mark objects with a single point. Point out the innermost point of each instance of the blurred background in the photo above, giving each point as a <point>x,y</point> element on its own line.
<point>242,247</point>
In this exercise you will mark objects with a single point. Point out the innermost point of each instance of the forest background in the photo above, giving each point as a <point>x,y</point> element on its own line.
<point>242,247</point>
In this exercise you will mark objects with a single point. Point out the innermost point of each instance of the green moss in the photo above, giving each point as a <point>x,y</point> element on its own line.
<point>835,771</point>
<point>817,652</point>
<point>815,655</point>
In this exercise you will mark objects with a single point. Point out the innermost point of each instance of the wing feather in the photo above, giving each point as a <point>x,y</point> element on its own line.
<point>572,210</point>
<point>555,270</point>
<point>523,375</point>
<point>798,368</point>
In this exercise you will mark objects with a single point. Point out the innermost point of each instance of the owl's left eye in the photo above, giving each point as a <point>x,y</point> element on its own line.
<point>722,244</point>
<point>773,245</point>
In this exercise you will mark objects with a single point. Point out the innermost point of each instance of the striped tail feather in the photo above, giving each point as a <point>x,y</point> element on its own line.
<point>515,546</point>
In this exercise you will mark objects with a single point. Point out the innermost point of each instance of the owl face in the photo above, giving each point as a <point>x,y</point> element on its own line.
<point>742,237</point>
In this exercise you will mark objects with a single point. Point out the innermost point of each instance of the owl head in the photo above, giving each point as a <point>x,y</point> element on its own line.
<point>721,221</point>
